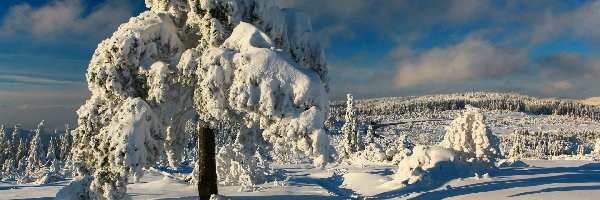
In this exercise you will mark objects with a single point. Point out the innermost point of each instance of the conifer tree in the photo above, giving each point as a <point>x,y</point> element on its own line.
<point>350,128</point>
<point>36,150</point>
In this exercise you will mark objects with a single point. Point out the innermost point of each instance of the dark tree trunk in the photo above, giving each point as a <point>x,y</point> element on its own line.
<point>207,180</point>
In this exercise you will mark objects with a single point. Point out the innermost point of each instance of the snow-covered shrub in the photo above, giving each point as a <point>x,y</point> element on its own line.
<point>429,163</point>
<point>401,150</point>
<point>78,188</point>
<point>373,152</point>
<point>472,139</point>
<point>245,170</point>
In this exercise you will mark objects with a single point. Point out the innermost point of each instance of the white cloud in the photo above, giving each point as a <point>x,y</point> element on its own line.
<point>472,59</point>
<point>554,87</point>
<point>59,17</point>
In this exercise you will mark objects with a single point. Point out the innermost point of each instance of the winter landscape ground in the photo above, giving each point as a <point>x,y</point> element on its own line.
<point>533,175</point>
<point>231,99</point>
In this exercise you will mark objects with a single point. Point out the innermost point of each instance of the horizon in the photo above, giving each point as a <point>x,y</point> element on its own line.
<point>374,49</point>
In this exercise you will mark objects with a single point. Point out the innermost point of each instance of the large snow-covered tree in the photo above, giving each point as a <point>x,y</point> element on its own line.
<point>245,61</point>
<point>471,138</point>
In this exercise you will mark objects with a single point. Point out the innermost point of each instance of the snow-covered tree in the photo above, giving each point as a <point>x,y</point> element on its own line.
<point>11,163</point>
<point>597,148</point>
<point>65,145</point>
<point>350,128</point>
<point>518,148</point>
<point>4,148</point>
<point>50,153</point>
<point>472,139</point>
<point>245,61</point>
<point>370,137</point>
<point>36,150</point>
<point>21,156</point>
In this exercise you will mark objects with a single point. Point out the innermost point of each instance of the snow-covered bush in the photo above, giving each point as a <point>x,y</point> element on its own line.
<point>429,163</point>
<point>472,139</point>
<point>245,170</point>
<point>402,149</point>
<point>373,152</point>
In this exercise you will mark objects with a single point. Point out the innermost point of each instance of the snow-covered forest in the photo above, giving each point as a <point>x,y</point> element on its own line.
<point>230,99</point>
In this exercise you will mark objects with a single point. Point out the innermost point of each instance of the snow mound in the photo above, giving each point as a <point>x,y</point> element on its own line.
<point>427,164</point>
<point>363,183</point>
<point>246,37</point>
<point>511,163</point>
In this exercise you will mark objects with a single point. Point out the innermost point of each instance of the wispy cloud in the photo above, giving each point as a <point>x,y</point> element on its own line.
<point>554,87</point>
<point>64,17</point>
<point>36,80</point>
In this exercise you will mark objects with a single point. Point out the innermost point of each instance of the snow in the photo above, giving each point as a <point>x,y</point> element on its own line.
<point>594,101</point>
<point>556,179</point>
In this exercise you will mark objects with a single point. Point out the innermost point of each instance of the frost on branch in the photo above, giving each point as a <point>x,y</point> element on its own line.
<point>472,139</point>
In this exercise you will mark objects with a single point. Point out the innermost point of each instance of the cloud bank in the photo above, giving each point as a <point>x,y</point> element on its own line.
<point>64,18</point>
<point>471,59</point>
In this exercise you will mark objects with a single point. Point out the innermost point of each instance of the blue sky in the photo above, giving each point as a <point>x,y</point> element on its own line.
<point>374,48</point>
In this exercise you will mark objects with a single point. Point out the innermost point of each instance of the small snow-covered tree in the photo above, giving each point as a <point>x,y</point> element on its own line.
<point>65,145</point>
<point>597,148</point>
<point>4,148</point>
<point>21,157</point>
<point>518,148</point>
<point>36,150</point>
<point>350,128</point>
<point>50,153</point>
<point>11,164</point>
<point>472,139</point>
<point>370,137</point>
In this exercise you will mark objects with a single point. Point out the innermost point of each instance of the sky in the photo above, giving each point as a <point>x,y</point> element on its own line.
<point>374,48</point>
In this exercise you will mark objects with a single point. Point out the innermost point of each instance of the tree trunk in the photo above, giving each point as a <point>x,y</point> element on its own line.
<point>207,180</point>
